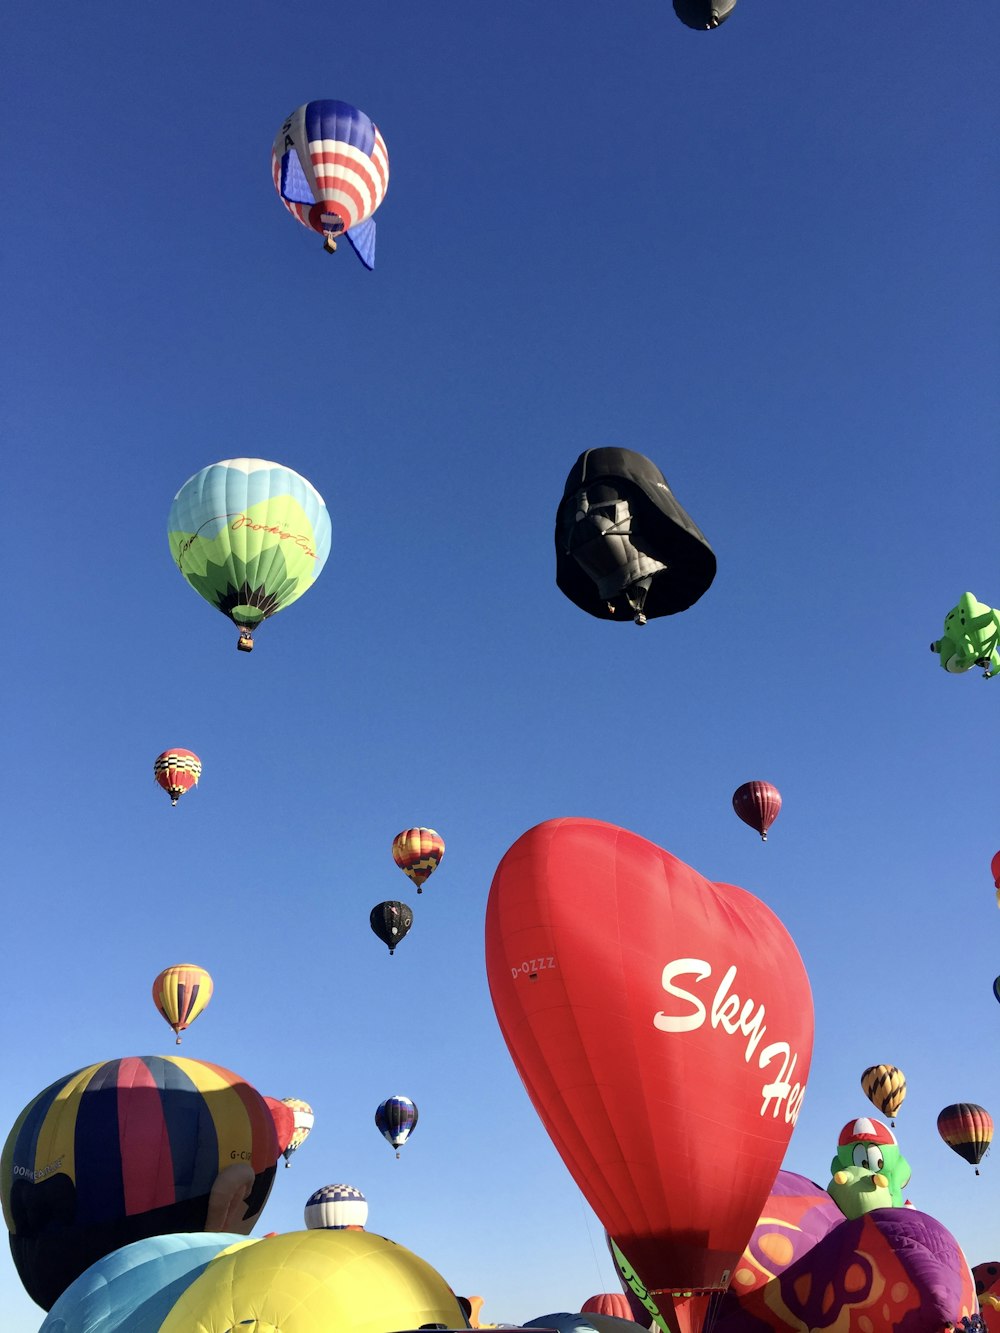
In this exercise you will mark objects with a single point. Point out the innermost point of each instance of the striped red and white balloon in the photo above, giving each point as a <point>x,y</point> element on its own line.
<point>177,771</point>
<point>757,804</point>
<point>330,167</point>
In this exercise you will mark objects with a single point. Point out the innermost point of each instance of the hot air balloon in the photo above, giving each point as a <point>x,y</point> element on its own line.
<point>968,1130</point>
<point>971,638</point>
<point>996,988</point>
<point>995,868</point>
<point>391,921</point>
<point>625,549</point>
<point>418,853</point>
<point>299,1282</point>
<point>757,804</point>
<point>130,1148</point>
<point>703,14</point>
<point>177,771</point>
<point>331,169</point>
<point>251,537</point>
<point>131,1289</point>
<point>396,1119</point>
<point>336,1208</point>
<point>303,1120</point>
<point>885,1087</point>
<point>181,993</point>
<point>633,996</point>
<point>612,1303</point>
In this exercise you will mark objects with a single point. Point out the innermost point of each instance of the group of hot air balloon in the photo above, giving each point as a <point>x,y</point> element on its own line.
<point>965,1127</point>
<point>679,1185</point>
<point>418,853</point>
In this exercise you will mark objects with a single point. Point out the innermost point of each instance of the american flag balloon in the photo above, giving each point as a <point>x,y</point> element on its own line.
<point>331,169</point>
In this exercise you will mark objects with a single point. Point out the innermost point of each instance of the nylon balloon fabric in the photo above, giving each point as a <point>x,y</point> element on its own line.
<point>968,1130</point>
<point>177,771</point>
<point>181,993</point>
<point>669,1106</point>
<point>330,167</point>
<point>625,549</point>
<point>250,536</point>
<point>126,1149</point>
<point>885,1087</point>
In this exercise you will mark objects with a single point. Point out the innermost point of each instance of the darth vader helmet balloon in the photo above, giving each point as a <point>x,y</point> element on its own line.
<point>625,549</point>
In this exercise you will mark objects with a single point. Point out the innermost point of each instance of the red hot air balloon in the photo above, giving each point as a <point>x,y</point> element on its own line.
<point>995,867</point>
<point>613,1303</point>
<point>662,1026</point>
<point>176,771</point>
<point>757,804</point>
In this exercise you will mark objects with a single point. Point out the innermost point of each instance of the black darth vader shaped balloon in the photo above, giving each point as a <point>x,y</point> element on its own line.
<point>625,549</point>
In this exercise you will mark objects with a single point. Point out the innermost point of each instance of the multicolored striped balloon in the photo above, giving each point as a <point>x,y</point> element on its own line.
<point>330,166</point>
<point>139,1146</point>
<point>336,1208</point>
<point>250,537</point>
<point>418,853</point>
<point>177,771</point>
<point>968,1130</point>
<point>181,993</point>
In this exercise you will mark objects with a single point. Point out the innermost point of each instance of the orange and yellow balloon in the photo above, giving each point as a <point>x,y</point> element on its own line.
<point>177,771</point>
<point>418,853</point>
<point>181,993</point>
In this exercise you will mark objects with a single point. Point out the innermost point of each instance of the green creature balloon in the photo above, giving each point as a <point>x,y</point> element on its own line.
<point>867,1148</point>
<point>971,637</point>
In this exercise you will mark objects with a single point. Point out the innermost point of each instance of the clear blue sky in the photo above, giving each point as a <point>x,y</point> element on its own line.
<point>765,257</point>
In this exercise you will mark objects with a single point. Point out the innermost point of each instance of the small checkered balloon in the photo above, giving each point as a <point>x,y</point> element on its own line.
<point>336,1208</point>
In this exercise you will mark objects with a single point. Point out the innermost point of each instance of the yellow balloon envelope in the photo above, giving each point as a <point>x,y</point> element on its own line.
<point>885,1087</point>
<point>180,993</point>
<point>316,1282</point>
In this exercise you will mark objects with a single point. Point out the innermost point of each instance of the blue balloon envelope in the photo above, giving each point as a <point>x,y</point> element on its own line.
<point>133,1289</point>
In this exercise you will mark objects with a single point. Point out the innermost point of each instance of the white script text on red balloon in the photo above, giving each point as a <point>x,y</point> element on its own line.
<point>734,1016</point>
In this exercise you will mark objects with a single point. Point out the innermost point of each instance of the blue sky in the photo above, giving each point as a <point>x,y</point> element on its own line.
<point>766,258</point>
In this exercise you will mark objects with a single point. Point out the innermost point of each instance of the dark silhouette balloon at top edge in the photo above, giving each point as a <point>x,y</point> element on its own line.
<point>625,549</point>
<point>703,14</point>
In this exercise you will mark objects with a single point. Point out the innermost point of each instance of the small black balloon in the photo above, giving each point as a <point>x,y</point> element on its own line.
<point>391,921</point>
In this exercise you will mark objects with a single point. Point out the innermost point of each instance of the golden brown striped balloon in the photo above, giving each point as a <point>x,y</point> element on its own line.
<point>885,1087</point>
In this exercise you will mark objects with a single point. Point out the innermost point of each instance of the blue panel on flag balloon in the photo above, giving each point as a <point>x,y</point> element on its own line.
<point>294,186</point>
<point>362,237</point>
